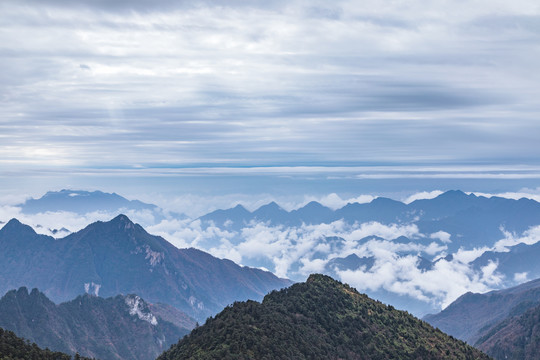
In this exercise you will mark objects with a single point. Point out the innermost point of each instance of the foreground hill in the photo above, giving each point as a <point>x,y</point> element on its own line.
<point>471,315</point>
<point>120,257</point>
<point>122,327</point>
<point>13,347</point>
<point>516,338</point>
<point>318,319</point>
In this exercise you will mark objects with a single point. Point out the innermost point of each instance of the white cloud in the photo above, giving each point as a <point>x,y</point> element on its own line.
<point>422,195</point>
<point>467,256</point>
<point>533,194</point>
<point>521,277</point>
<point>529,237</point>
<point>391,231</point>
<point>334,201</point>
<point>441,285</point>
<point>44,223</point>
<point>312,266</point>
<point>442,236</point>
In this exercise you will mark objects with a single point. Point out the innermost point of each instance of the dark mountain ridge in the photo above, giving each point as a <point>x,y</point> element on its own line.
<point>318,319</point>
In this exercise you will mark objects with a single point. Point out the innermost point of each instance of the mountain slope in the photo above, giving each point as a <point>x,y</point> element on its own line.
<point>318,319</point>
<point>13,347</point>
<point>120,257</point>
<point>471,313</point>
<point>517,338</point>
<point>122,327</point>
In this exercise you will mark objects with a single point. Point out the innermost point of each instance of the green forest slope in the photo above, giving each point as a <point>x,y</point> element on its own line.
<point>319,319</point>
<point>15,348</point>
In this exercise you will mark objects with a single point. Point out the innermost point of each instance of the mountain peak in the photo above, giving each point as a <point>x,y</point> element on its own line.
<point>14,222</point>
<point>385,201</point>
<point>309,314</point>
<point>123,219</point>
<point>14,226</point>
<point>455,194</point>
<point>320,278</point>
<point>239,207</point>
<point>314,205</point>
<point>270,205</point>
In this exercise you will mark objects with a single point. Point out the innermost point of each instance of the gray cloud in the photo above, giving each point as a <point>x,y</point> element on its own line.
<point>124,84</point>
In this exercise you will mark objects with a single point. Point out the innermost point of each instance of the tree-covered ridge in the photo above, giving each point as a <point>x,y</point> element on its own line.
<point>516,338</point>
<point>13,347</point>
<point>319,319</point>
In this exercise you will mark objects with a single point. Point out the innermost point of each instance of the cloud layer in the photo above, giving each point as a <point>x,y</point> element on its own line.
<point>394,257</point>
<point>141,84</point>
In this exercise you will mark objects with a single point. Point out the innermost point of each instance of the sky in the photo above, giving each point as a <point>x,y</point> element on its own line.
<point>157,99</point>
<point>199,105</point>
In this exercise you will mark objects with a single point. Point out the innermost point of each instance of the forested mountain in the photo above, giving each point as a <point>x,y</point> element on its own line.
<point>120,257</point>
<point>516,338</point>
<point>318,319</point>
<point>472,315</point>
<point>13,347</point>
<point>120,327</point>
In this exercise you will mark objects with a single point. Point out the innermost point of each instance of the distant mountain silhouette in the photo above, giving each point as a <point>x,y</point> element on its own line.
<point>476,219</point>
<point>452,221</point>
<point>82,202</point>
<point>120,257</point>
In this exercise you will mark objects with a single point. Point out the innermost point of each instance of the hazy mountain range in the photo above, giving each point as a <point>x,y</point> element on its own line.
<point>120,257</point>
<point>418,256</point>
<point>405,254</point>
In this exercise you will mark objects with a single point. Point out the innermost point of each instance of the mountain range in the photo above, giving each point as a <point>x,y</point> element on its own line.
<point>83,202</point>
<point>473,315</point>
<point>120,327</point>
<point>476,219</point>
<point>120,257</point>
<point>318,319</point>
<point>489,242</point>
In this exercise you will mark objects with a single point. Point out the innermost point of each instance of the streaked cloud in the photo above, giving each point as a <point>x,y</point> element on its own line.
<point>162,84</point>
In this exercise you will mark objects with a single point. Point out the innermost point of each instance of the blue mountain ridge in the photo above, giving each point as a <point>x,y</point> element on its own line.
<point>120,257</point>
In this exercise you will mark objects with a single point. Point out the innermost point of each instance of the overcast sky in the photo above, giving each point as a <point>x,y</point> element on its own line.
<point>168,88</point>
